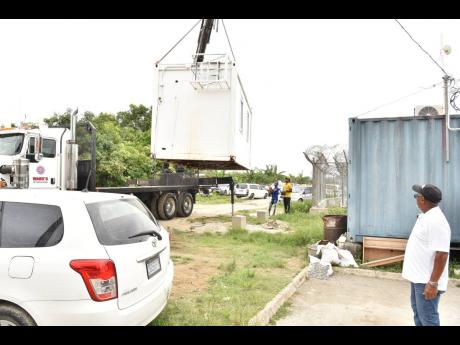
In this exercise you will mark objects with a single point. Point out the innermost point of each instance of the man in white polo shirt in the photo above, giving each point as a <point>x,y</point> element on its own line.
<point>426,261</point>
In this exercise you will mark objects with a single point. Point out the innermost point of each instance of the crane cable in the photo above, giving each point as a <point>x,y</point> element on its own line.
<point>156,63</point>
<point>228,40</point>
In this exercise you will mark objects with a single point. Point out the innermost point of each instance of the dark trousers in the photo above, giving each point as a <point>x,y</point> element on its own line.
<point>287,204</point>
<point>272,203</point>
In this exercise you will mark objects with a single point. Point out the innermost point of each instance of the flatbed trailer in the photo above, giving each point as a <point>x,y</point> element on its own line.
<point>173,194</point>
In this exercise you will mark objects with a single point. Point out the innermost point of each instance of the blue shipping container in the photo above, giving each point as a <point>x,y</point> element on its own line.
<point>389,155</point>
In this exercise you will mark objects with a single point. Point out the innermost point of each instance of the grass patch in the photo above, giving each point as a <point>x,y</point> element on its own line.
<point>282,312</point>
<point>304,206</point>
<point>454,264</point>
<point>253,268</point>
<point>396,267</point>
<point>177,259</point>
<point>337,211</point>
<point>257,271</point>
<point>215,198</point>
<point>221,219</point>
<point>228,267</point>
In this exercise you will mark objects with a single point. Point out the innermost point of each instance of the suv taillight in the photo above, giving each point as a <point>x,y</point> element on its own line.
<point>99,277</point>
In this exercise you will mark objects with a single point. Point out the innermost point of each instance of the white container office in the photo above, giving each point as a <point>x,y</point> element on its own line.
<point>201,117</point>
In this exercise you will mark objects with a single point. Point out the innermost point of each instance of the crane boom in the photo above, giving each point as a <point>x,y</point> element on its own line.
<point>203,38</point>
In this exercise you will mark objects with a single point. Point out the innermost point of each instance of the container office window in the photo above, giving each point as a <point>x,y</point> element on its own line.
<point>248,126</point>
<point>241,116</point>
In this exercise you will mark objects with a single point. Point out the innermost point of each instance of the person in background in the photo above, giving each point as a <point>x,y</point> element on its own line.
<point>426,260</point>
<point>275,192</point>
<point>287,190</point>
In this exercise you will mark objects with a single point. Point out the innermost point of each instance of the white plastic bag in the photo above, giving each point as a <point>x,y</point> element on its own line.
<point>346,258</point>
<point>329,254</point>
<point>313,259</point>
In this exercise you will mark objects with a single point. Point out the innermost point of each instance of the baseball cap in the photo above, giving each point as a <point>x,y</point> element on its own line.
<point>430,192</point>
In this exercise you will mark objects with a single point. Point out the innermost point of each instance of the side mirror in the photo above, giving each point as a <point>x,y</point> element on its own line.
<point>38,148</point>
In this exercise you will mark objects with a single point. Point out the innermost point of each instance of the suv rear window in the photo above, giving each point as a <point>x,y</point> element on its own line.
<point>241,186</point>
<point>254,186</point>
<point>25,225</point>
<point>116,220</point>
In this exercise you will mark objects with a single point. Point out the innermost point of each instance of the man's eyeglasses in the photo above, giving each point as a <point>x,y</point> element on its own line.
<point>417,195</point>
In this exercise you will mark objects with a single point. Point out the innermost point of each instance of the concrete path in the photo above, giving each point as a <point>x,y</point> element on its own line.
<point>353,300</point>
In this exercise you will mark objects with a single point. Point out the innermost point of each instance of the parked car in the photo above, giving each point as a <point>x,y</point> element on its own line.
<point>300,194</point>
<point>75,258</point>
<point>223,189</point>
<point>250,190</point>
<point>306,194</point>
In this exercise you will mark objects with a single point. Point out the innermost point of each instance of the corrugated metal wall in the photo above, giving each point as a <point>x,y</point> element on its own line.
<point>386,157</point>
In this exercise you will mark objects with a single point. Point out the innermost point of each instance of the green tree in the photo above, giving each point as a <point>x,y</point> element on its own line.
<point>122,149</point>
<point>138,117</point>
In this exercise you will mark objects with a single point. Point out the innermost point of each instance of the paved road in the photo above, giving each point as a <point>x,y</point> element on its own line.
<point>347,299</point>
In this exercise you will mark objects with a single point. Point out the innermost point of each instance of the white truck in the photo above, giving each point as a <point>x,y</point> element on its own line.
<point>48,158</point>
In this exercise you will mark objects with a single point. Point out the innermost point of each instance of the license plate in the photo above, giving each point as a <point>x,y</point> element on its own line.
<point>153,266</point>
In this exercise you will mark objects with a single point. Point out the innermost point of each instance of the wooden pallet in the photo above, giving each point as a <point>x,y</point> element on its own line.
<point>381,248</point>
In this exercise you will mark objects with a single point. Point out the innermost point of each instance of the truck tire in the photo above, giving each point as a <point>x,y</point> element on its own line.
<point>185,205</point>
<point>167,206</point>
<point>11,315</point>
<point>154,207</point>
<point>251,196</point>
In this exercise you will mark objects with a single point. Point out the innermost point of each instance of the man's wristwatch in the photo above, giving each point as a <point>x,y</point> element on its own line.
<point>433,284</point>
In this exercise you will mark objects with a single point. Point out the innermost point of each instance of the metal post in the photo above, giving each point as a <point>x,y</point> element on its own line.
<point>232,196</point>
<point>446,110</point>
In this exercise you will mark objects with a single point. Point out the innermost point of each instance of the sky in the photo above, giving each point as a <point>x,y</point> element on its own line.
<point>304,78</point>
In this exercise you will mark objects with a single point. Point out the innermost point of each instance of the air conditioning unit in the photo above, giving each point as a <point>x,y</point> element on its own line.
<point>428,110</point>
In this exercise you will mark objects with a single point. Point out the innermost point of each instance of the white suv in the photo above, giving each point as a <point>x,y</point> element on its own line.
<point>74,258</point>
<point>251,190</point>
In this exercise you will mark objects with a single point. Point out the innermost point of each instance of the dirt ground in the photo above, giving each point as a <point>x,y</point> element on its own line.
<point>351,300</point>
<point>192,271</point>
<point>203,210</point>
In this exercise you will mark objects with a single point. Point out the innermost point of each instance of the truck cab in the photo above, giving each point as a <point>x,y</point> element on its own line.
<point>45,149</point>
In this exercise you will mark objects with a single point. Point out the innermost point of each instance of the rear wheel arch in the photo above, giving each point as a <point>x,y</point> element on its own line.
<point>13,314</point>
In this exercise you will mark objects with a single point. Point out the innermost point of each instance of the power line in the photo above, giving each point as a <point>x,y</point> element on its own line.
<point>442,69</point>
<point>401,98</point>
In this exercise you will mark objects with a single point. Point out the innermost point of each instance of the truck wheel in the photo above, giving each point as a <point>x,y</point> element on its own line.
<point>154,207</point>
<point>251,196</point>
<point>185,205</point>
<point>14,316</point>
<point>167,206</point>
<point>265,196</point>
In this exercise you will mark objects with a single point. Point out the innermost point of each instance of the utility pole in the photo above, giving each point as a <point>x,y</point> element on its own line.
<point>446,78</point>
